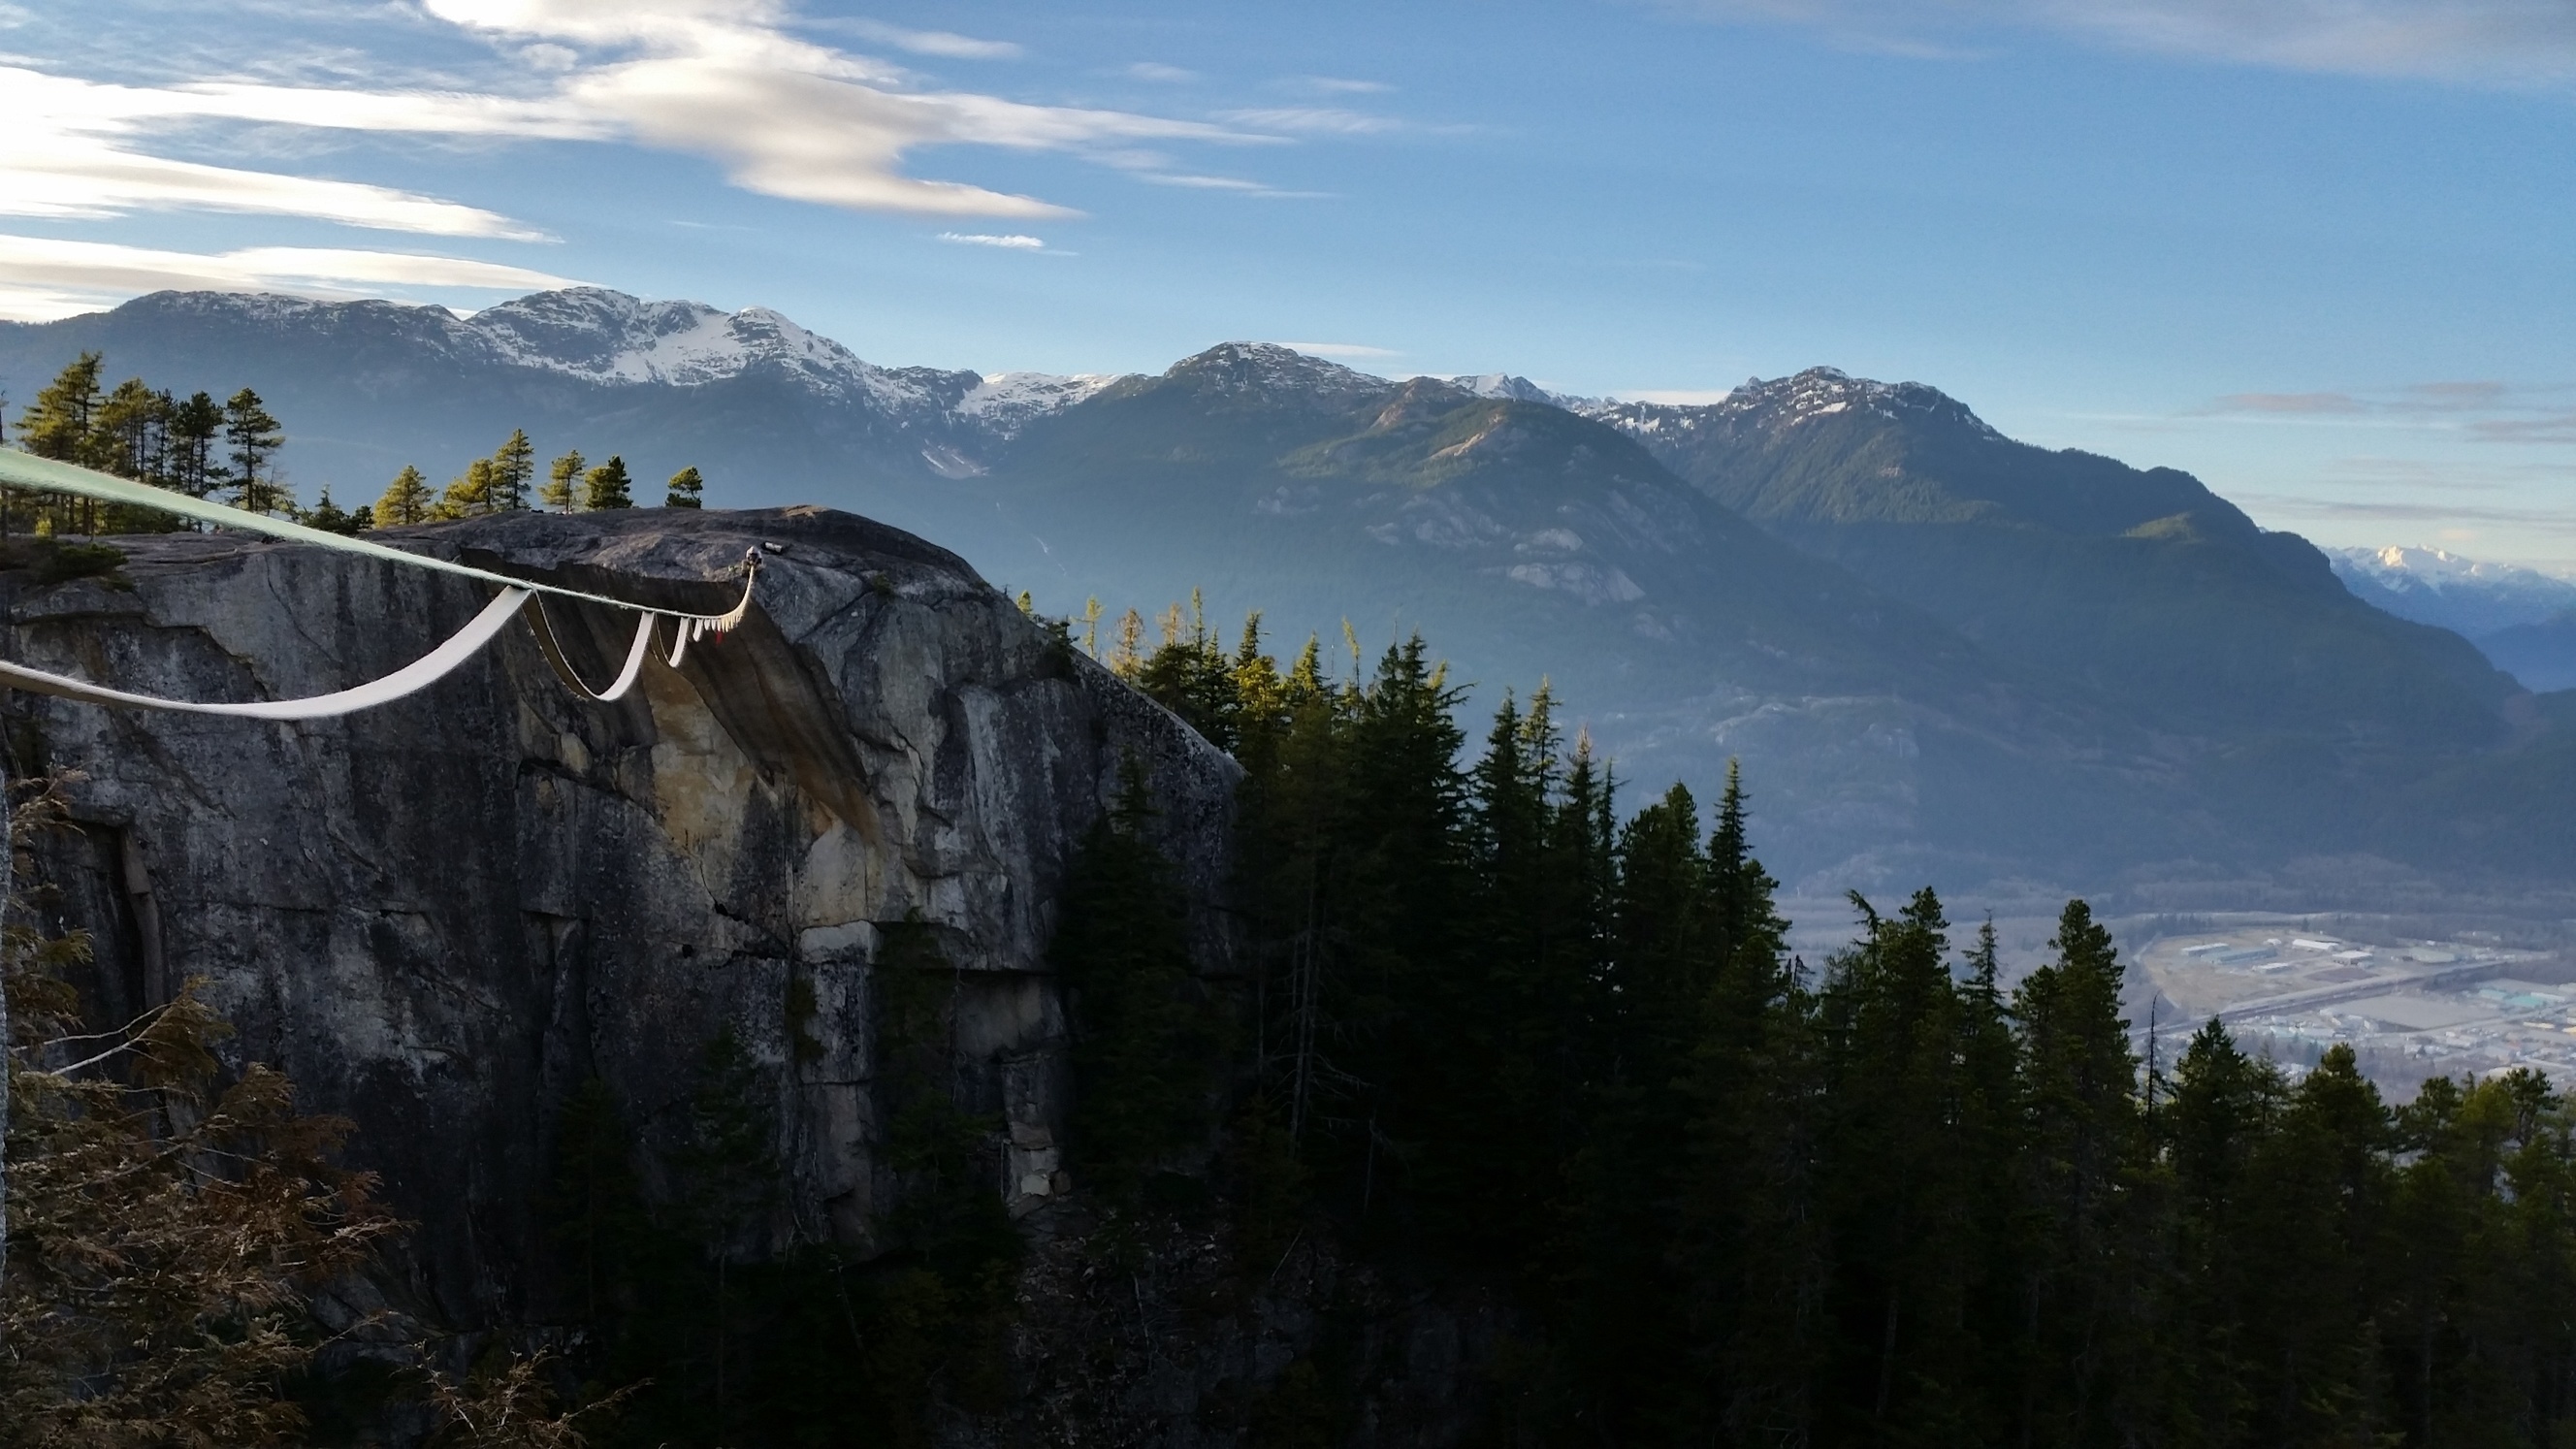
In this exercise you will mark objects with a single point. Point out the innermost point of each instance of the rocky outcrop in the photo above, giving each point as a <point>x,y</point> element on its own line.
<point>443,915</point>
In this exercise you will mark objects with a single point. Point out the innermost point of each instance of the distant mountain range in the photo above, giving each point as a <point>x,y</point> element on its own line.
<point>1943,655</point>
<point>2524,620</point>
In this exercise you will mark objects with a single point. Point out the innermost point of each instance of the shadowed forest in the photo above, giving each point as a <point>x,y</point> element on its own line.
<point>1494,1035</point>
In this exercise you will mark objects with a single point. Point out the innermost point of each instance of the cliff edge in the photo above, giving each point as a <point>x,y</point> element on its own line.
<point>441,916</point>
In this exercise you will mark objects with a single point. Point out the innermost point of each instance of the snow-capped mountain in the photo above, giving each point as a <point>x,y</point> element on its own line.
<point>2437,587</point>
<point>1514,389</point>
<point>367,387</point>
<point>1006,402</point>
<point>1783,403</point>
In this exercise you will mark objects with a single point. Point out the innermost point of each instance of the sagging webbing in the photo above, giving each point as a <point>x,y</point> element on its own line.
<point>517,596</point>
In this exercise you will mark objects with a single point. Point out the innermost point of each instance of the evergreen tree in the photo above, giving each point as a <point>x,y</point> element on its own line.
<point>60,424</point>
<point>331,518</point>
<point>469,494</point>
<point>406,500</point>
<point>560,493</point>
<point>133,438</point>
<point>2083,1135</point>
<point>252,438</point>
<point>513,464</point>
<point>688,490</point>
<point>607,486</point>
<point>194,425</point>
<point>1142,1046</point>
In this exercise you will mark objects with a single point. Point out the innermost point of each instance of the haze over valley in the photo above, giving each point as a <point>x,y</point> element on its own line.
<point>1939,653</point>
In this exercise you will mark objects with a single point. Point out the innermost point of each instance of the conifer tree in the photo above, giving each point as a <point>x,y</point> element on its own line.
<point>194,425</point>
<point>469,494</point>
<point>60,424</point>
<point>252,437</point>
<point>607,486</point>
<point>1141,1047</point>
<point>406,501</point>
<point>688,489</point>
<point>331,518</point>
<point>133,437</point>
<point>513,464</point>
<point>561,492</point>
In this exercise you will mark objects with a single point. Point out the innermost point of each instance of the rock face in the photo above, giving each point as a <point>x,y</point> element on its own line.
<point>443,915</point>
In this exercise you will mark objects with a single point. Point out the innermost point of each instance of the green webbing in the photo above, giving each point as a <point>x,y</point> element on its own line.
<point>22,470</point>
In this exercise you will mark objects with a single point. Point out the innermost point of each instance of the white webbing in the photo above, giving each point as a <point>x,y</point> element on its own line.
<point>21,470</point>
<point>44,474</point>
<point>410,679</point>
<point>544,629</point>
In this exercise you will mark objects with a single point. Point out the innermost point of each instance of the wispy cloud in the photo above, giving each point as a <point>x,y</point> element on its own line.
<point>76,151</point>
<point>2290,402</point>
<point>1152,70</point>
<point>2488,42</point>
<point>1014,241</point>
<point>2488,410</point>
<point>1339,349</point>
<point>946,44</point>
<point>1313,120</point>
<point>1341,86</point>
<point>2397,511</point>
<point>790,118</point>
<point>1235,184</point>
<point>47,277</point>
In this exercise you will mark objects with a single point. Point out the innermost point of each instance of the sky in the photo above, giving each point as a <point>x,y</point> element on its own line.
<point>2321,253</point>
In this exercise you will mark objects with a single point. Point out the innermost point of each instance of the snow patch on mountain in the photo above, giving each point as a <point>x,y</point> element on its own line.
<point>1783,403</point>
<point>1009,401</point>
<point>610,337</point>
<point>1266,369</point>
<point>2435,586</point>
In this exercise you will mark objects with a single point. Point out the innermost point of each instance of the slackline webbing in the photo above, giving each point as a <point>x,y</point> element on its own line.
<point>411,678</point>
<point>517,595</point>
<point>22,470</point>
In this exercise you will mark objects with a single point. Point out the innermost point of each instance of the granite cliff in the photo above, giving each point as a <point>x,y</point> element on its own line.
<point>440,916</point>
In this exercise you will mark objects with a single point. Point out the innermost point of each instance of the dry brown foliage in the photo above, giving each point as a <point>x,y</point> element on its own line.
<point>510,1407</point>
<point>165,1231</point>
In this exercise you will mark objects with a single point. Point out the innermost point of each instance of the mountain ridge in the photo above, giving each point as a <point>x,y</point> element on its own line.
<point>1935,647</point>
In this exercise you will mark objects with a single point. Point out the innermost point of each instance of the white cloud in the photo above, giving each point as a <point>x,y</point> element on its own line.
<point>1339,349</point>
<point>792,119</point>
<point>1013,242</point>
<point>2501,42</point>
<point>1157,71</point>
<point>47,277</point>
<point>945,44</point>
<point>73,152</point>
<point>1335,85</point>
<point>1320,120</point>
<point>724,79</point>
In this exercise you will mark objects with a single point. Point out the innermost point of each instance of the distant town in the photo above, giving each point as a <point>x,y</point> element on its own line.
<point>2410,1008</point>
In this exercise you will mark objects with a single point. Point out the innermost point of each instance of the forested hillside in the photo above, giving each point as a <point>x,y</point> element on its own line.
<point>1501,1039</point>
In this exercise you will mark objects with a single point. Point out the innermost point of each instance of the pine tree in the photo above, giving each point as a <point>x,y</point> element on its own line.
<point>688,489</point>
<point>60,423</point>
<point>406,500</point>
<point>2083,1140</point>
<point>331,518</point>
<point>469,494</point>
<point>560,493</point>
<point>1142,1048</point>
<point>607,486</point>
<point>513,464</point>
<point>133,436</point>
<point>252,437</point>
<point>194,426</point>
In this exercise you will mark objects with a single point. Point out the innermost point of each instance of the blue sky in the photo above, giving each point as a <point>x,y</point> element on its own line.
<point>2316,251</point>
